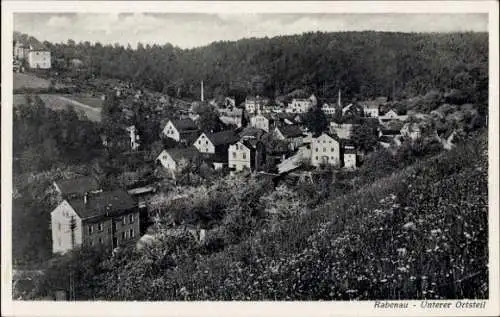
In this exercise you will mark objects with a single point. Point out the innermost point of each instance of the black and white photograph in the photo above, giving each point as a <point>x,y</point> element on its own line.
<point>251,154</point>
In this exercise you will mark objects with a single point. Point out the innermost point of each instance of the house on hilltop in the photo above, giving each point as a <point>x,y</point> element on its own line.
<point>105,219</point>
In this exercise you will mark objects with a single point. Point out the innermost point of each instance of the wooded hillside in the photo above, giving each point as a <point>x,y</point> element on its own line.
<point>362,64</point>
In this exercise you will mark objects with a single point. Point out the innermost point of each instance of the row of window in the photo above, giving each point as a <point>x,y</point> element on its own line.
<point>243,155</point>
<point>100,226</point>
<point>324,149</point>
<point>124,236</point>
<point>331,158</point>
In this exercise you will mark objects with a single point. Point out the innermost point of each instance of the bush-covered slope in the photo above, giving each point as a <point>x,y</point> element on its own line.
<point>420,233</point>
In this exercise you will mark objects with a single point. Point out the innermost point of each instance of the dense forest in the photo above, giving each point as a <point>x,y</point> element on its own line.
<point>361,64</point>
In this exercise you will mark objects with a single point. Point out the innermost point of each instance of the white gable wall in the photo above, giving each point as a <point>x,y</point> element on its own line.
<point>325,150</point>
<point>171,132</point>
<point>204,145</point>
<point>60,219</point>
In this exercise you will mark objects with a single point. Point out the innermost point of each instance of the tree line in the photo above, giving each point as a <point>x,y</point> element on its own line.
<point>361,64</point>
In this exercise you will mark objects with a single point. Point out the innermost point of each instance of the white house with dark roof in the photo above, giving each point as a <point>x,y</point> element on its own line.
<point>105,219</point>
<point>39,57</point>
<point>292,134</point>
<point>350,157</point>
<point>176,159</point>
<point>183,130</point>
<point>325,150</point>
<point>262,121</point>
<point>212,143</point>
<point>299,105</point>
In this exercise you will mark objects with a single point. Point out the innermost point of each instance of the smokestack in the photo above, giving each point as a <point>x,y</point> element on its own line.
<point>85,198</point>
<point>202,97</point>
<point>338,101</point>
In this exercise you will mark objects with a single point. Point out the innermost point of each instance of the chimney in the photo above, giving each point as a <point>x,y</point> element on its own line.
<point>85,198</point>
<point>338,101</point>
<point>202,97</point>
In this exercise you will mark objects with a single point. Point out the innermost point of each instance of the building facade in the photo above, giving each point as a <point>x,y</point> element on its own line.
<point>39,59</point>
<point>107,219</point>
<point>240,157</point>
<point>300,106</point>
<point>325,150</point>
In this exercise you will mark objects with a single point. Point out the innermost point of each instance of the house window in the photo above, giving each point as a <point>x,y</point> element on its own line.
<point>316,158</point>
<point>59,241</point>
<point>332,149</point>
<point>124,235</point>
<point>206,142</point>
<point>131,218</point>
<point>131,233</point>
<point>324,149</point>
<point>244,155</point>
<point>316,149</point>
<point>124,220</point>
<point>234,155</point>
<point>100,226</point>
<point>90,229</point>
<point>59,226</point>
<point>234,165</point>
<point>100,241</point>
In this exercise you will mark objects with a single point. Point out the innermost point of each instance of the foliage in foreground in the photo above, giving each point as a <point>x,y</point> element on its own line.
<point>419,233</point>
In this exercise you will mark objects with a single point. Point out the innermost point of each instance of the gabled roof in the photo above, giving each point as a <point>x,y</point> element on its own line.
<point>222,138</point>
<point>290,131</point>
<point>78,185</point>
<point>183,125</point>
<point>98,205</point>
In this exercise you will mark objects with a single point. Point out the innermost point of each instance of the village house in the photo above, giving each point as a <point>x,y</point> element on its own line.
<point>262,121</point>
<point>182,131</point>
<point>214,147</point>
<point>77,187</point>
<point>38,57</point>
<point>325,150</point>
<point>299,105</point>
<point>342,130</point>
<point>246,154</point>
<point>350,157</point>
<point>176,159</point>
<point>329,110</point>
<point>20,50</point>
<point>252,104</point>
<point>371,108</point>
<point>392,115</point>
<point>292,134</point>
<point>134,137</point>
<point>250,133</point>
<point>231,116</point>
<point>105,219</point>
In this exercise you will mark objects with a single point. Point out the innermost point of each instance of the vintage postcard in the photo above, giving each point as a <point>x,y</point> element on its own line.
<point>250,158</point>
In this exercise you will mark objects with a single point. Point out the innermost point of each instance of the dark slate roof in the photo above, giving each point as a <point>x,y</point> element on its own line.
<point>78,185</point>
<point>184,125</point>
<point>222,138</point>
<point>183,153</point>
<point>252,132</point>
<point>112,202</point>
<point>290,131</point>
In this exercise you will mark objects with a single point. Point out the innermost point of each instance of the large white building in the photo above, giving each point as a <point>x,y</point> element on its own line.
<point>299,105</point>
<point>325,150</point>
<point>39,57</point>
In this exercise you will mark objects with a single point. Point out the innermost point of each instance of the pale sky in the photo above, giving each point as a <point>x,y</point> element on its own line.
<point>188,30</point>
